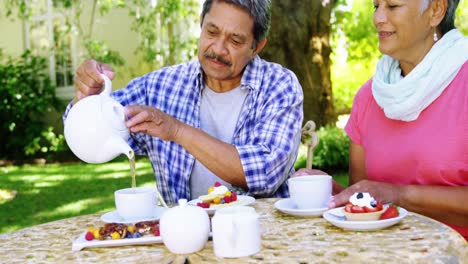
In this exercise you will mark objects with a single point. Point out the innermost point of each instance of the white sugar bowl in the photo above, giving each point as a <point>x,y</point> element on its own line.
<point>184,229</point>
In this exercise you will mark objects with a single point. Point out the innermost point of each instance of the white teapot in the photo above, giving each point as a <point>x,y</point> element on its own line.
<point>185,228</point>
<point>95,127</point>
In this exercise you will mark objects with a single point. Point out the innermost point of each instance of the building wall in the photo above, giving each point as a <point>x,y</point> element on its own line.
<point>11,36</point>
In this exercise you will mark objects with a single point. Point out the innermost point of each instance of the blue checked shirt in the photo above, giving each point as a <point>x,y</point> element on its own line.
<point>267,133</point>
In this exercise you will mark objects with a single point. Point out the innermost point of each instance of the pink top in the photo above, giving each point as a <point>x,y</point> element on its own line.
<point>432,150</point>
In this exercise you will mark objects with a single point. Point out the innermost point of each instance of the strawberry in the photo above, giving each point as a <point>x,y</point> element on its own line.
<point>375,208</point>
<point>89,236</point>
<point>370,209</point>
<point>203,205</point>
<point>157,232</point>
<point>348,207</point>
<point>217,184</point>
<point>233,196</point>
<point>391,212</point>
<point>357,209</point>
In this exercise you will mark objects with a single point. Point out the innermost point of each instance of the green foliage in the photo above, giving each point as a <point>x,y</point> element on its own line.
<point>332,152</point>
<point>355,51</point>
<point>27,96</point>
<point>461,19</point>
<point>164,28</point>
<point>47,142</point>
<point>99,51</point>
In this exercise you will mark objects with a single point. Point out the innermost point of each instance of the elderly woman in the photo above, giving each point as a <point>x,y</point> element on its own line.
<point>409,123</point>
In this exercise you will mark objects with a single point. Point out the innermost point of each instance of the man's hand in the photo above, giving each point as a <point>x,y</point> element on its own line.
<point>152,121</point>
<point>383,192</point>
<point>336,187</point>
<point>304,172</point>
<point>88,80</point>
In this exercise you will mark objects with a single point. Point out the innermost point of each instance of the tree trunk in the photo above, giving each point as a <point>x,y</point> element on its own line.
<point>299,39</point>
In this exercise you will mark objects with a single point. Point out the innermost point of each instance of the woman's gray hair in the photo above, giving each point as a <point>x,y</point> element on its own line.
<point>448,22</point>
<point>259,10</point>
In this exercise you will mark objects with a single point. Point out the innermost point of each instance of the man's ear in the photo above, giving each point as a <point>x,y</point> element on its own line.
<point>260,46</point>
<point>438,10</point>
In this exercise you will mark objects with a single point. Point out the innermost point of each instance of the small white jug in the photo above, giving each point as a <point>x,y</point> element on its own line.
<point>95,127</point>
<point>236,232</point>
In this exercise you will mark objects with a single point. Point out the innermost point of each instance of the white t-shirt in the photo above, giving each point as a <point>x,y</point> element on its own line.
<point>219,113</point>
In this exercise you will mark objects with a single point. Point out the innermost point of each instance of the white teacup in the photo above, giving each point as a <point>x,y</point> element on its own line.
<point>236,232</point>
<point>310,191</point>
<point>136,203</point>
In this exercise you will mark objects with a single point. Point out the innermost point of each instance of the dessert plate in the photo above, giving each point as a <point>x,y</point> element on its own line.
<point>81,242</point>
<point>287,206</point>
<point>114,217</point>
<point>241,200</point>
<point>337,218</point>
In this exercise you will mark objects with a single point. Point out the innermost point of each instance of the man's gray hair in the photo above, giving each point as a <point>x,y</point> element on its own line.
<point>259,10</point>
<point>448,22</point>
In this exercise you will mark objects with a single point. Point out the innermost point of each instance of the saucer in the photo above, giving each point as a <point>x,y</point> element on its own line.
<point>114,217</point>
<point>287,206</point>
<point>337,218</point>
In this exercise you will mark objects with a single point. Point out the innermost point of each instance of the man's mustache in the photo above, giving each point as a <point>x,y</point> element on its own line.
<point>213,56</point>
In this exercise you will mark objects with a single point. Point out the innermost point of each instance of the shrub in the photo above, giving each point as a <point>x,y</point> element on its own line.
<point>332,152</point>
<point>27,96</point>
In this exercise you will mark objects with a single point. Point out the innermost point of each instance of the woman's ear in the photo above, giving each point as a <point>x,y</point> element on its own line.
<point>438,10</point>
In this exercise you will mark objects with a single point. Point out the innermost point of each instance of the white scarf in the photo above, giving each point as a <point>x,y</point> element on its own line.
<point>405,98</point>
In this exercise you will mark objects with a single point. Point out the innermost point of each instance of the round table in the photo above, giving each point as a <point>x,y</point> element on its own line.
<point>285,239</point>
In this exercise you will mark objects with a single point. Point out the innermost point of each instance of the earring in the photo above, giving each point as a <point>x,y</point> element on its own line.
<point>436,38</point>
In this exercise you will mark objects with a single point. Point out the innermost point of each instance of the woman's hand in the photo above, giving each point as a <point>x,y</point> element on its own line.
<point>383,192</point>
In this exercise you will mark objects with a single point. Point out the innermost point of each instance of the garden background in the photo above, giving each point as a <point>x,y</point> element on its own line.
<point>43,41</point>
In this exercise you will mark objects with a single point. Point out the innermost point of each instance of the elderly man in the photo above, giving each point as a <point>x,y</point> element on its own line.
<point>227,116</point>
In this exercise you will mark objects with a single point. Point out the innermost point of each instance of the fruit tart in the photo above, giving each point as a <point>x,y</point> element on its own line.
<point>363,207</point>
<point>218,196</point>
<point>120,231</point>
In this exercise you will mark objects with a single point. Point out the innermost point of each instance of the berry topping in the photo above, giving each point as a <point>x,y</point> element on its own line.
<point>373,203</point>
<point>217,184</point>
<point>157,232</point>
<point>136,235</point>
<point>360,195</point>
<point>203,205</point>
<point>115,235</point>
<point>131,229</point>
<point>210,189</point>
<point>96,234</point>
<point>89,236</point>
<point>233,197</point>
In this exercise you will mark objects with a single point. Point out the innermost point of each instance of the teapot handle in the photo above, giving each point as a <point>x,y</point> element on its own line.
<point>107,85</point>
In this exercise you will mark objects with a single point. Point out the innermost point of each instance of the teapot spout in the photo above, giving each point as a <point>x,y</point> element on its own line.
<point>114,147</point>
<point>124,148</point>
